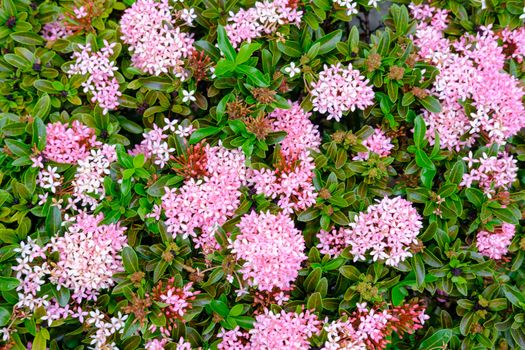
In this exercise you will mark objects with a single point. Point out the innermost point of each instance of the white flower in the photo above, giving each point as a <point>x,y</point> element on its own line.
<point>170,125</point>
<point>522,17</point>
<point>188,96</point>
<point>292,70</point>
<point>372,3</point>
<point>188,16</point>
<point>5,334</point>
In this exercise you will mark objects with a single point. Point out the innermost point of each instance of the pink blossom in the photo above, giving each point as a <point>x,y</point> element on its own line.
<point>89,255</point>
<point>377,143</point>
<point>270,250</point>
<point>157,43</point>
<point>302,134</point>
<point>470,70</point>
<point>491,173</point>
<point>68,144</point>
<point>285,330</point>
<point>262,19</point>
<point>333,242</point>
<point>387,229</point>
<point>339,90</point>
<point>101,82</point>
<point>56,30</point>
<point>154,146</point>
<point>208,202</point>
<point>495,244</point>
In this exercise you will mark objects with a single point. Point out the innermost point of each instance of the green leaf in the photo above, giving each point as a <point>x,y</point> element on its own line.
<point>53,220</point>
<point>438,340</point>
<point>236,310</point>
<point>419,269</point>
<point>42,107</point>
<point>5,315</point>
<point>350,272</point>
<point>310,283</point>
<point>420,130</point>
<point>246,52</point>
<point>475,196</point>
<point>39,134</point>
<point>220,307</point>
<point>17,61</point>
<point>309,214</point>
<point>457,172</point>
<point>514,295</point>
<point>423,161</point>
<point>27,38</point>
<point>139,160</point>
<point>431,104</point>
<point>202,133</point>
<point>18,148</point>
<point>8,283</point>
<point>328,42</point>
<point>253,74</point>
<point>39,343</point>
<point>130,260</point>
<point>224,44</point>
<point>506,215</point>
<point>315,302</point>
<point>290,48</point>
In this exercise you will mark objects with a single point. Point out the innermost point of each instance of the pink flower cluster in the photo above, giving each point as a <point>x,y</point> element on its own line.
<point>495,244</point>
<point>285,330</point>
<point>56,30</point>
<point>377,143</point>
<point>262,19</point>
<point>387,228</point>
<point>333,242</point>
<point>89,256</point>
<point>101,81</point>
<point>157,344</point>
<point>492,173</point>
<point>372,328</point>
<point>514,40</point>
<point>339,90</point>
<point>209,202</point>
<point>291,181</point>
<point>270,249</point>
<point>302,134</point>
<point>154,146</point>
<point>88,184</point>
<point>471,70</point>
<point>68,144</point>
<point>177,301</point>
<point>31,274</point>
<point>157,43</point>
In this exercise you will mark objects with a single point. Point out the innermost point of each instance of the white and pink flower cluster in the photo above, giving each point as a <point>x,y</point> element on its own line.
<point>157,44</point>
<point>291,182</point>
<point>386,229</point>
<point>100,70</point>
<point>284,330</point>
<point>471,70</point>
<point>339,90</point>
<point>491,174</point>
<point>270,250</point>
<point>89,256</point>
<point>68,144</point>
<point>262,19</point>
<point>377,143</point>
<point>495,245</point>
<point>209,202</point>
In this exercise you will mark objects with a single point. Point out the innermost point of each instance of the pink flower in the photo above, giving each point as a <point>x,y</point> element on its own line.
<point>208,202</point>
<point>377,143</point>
<point>339,90</point>
<point>333,242</point>
<point>262,19</point>
<point>285,330</point>
<point>89,255</point>
<point>56,30</point>
<point>157,43</point>
<point>495,244</point>
<point>387,229</point>
<point>270,250</point>
<point>66,144</point>
<point>101,82</point>
<point>470,69</point>
<point>491,173</point>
